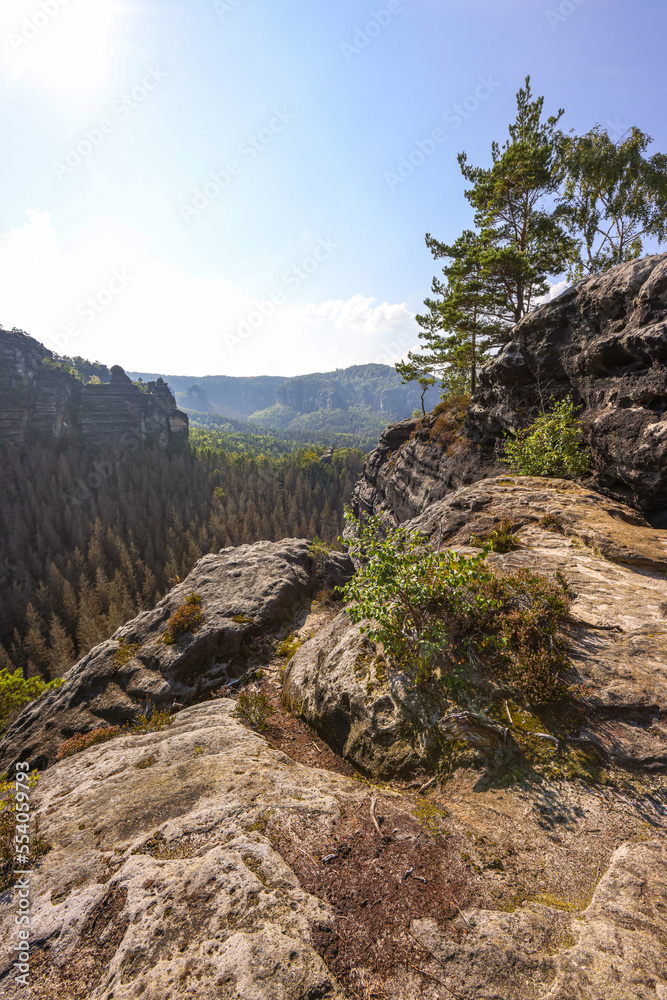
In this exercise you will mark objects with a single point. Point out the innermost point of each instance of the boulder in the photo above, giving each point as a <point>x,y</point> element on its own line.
<point>160,883</point>
<point>246,592</point>
<point>615,564</point>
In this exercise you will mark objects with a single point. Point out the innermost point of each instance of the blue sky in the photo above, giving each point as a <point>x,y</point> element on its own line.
<point>203,187</point>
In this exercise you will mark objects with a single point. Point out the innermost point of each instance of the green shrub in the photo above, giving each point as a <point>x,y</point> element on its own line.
<point>319,550</point>
<point>150,722</point>
<point>9,806</point>
<point>552,522</point>
<point>16,691</point>
<point>431,609</point>
<point>185,619</point>
<point>254,709</point>
<point>552,446</point>
<point>126,651</point>
<point>500,540</point>
<point>289,646</point>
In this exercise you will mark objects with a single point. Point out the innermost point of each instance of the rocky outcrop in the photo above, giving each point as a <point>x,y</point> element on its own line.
<point>605,341</point>
<point>245,593</point>
<point>163,885</point>
<point>616,566</point>
<point>172,874</point>
<point>40,401</point>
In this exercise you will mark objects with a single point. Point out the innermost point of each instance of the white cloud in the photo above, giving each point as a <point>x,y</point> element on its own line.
<point>104,299</point>
<point>554,292</point>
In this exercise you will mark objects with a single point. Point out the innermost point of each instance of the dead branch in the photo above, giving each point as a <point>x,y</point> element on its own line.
<point>373,817</point>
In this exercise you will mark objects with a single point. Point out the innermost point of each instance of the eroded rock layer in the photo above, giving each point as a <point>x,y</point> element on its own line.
<point>39,402</point>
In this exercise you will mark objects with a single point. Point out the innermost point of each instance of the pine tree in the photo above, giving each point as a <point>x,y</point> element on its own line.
<point>525,241</point>
<point>61,648</point>
<point>462,324</point>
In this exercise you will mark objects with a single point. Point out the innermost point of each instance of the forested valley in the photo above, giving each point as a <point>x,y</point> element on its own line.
<point>91,537</point>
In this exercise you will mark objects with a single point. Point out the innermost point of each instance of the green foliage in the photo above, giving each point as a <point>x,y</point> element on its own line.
<point>79,368</point>
<point>149,721</point>
<point>419,369</point>
<point>552,446</point>
<point>16,691</point>
<point>523,240</point>
<point>126,651</point>
<point>402,588</point>
<point>500,540</point>
<point>460,328</point>
<point>9,806</point>
<point>81,741</point>
<point>319,551</point>
<point>289,646</point>
<point>613,198</point>
<point>185,619</point>
<point>433,609</point>
<point>254,709</point>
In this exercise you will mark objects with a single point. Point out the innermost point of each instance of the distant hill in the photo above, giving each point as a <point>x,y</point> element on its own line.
<point>360,400</point>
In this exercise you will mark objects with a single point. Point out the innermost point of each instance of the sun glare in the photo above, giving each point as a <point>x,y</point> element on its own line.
<point>59,43</point>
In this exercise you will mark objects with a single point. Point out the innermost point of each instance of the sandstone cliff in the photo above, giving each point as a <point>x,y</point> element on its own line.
<point>205,860</point>
<point>39,402</point>
<point>605,341</point>
<point>376,838</point>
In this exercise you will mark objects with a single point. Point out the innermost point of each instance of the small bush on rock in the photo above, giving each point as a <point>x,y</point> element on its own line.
<point>435,609</point>
<point>10,806</point>
<point>500,540</point>
<point>552,446</point>
<point>151,722</point>
<point>185,619</point>
<point>81,741</point>
<point>126,651</point>
<point>146,722</point>
<point>254,709</point>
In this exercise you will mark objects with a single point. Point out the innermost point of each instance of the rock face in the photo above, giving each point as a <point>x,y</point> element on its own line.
<point>39,402</point>
<point>167,878</point>
<point>605,341</point>
<point>616,565</point>
<point>166,888</point>
<point>245,592</point>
